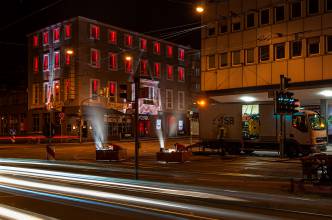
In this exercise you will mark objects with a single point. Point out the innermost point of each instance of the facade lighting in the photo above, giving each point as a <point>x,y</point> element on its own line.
<point>248,98</point>
<point>326,93</point>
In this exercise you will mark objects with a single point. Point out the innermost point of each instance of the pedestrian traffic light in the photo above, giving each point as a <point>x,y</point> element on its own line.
<point>285,103</point>
<point>123,91</point>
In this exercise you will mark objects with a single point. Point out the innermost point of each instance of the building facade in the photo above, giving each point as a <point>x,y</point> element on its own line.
<point>81,74</point>
<point>247,45</point>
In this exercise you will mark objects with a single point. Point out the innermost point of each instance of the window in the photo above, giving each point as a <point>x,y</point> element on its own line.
<point>236,26</point>
<point>313,7</point>
<point>128,40</point>
<point>264,53</point>
<point>279,14</point>
<point>329,44</point>
<point>113,61</point>
<point>94,88</point>
<point>250,56</point>
<point>211,31</point>
<point>169,51</point>
<point>56,60</point>
<point>181,74</point>
<point>296,9</point>
<point>181,100</point>
<point>299,122</point>
<point>112,90</point>
<point>129,65</point>
<point>143,44</point>
<point>181,54</point>
<point>223,59</point>
<point>67,31</point>
<point>169,69</point>
<point>35,94</point>
<point>67,58</point>
<point>313,46</point>
<point>45,62</point>
<point>250,20</point>
<point>279,51</point>
<point>46,92</point>
<point>56,35</point>
<point>35,41</point>
<point>144,67</point>
<point>112,37</point>
<point>94,32</point>
<point>169,99</point>
<point>56,91</point>
<point>156,48</point>
<point>35,123</point>
<point>46,38</point>
<point>36,64</point>
<point>328,5</point>
<point>265,16</point>
<point>296,48</point>
<point>236,57</point>
<point>157,70</point>
<point>95,57</point>
<point>223,27</point>
<point>211,61</point>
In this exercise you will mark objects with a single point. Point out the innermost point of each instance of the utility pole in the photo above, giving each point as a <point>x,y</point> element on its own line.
<point>137,144</point>
<point>282,120</point>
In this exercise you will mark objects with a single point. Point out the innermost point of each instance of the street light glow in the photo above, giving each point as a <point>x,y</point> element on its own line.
<point>128,58</point>
<point>70,52</point>
<point>326,93</point>
<point>248,98</point>
<point>200,9</point>
<point>201,102</point>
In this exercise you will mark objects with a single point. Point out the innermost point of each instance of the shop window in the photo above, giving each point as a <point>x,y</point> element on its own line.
<point>265,16</point>
<point>296,9</point>
<point>279,51</point>
<point>264,53</point>
<point>313,46</point>
<point>313,7</point>
<point>236,57</point>
<point>223,59</point>
<point>211,61</point>
<point>296,48</point>
<point>250,20</point>
<point>94,32</point>
<point>112,37</point>
<point>250,56</point>
<point>279,14</point>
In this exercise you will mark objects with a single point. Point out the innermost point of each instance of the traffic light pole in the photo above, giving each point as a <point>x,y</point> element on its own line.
<point>282,121</point>
<point>137,87</point>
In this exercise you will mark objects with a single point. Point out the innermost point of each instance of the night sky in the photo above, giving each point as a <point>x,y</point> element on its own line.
<point>20,17</point>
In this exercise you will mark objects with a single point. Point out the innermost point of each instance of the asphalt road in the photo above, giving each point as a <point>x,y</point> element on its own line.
<point>40,193</point>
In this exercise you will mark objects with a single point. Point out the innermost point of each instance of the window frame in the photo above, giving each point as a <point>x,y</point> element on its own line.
<point>182,72</point>
<point>116,65</point>
<point>143,46</point>
<point>292,48</point>
<point>55,54</point>
<point>233,52</point>
<point>46,33</point>
<point>169,95</point>
<point>154,70</point>
<point>181,54</point>
<point>48,62</point>
<point>220,63</point>
<point>35,65</point>
<point>56,31</point>
<point>223,23</point>
<point>275,14</point>
<point>115,96</point>
<point>70,31</point>
<point>260,54</point>
<point>275,47</point>
<point>156,48</point>
<point>260,16</point>
<point>35,41</point>
<point>91,89</point>
<point>97,65</point>
<point>97,37</point>
<point>131,70</point>
<point>308,8</point>
<point>253,57</point>
<point>208,62</point>
<point>109,34</point>
<point>143,67</point>
<point>128,44</point>
<point>181,106</point>
<point>254,23</point>
<point>169,67</point>
<point>236,30</point>
<point>327,44</point>
<point>291,10</point>
<point>169,55</point>
<point>309,54</point>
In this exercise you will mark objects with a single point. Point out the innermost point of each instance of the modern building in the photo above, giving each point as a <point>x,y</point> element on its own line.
<point>81,73</point>
<point>247,45</point>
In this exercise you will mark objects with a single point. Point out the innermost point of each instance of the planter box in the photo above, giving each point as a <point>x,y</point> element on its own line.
<point>111,155</point>
<point>178,157</point>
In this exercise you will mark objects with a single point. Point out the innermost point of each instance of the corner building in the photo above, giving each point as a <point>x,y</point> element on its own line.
<point>247,45</point>
<point>84,69</point>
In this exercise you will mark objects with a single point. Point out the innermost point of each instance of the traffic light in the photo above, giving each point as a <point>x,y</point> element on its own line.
<point>123,91</point>
<point>285,103</point>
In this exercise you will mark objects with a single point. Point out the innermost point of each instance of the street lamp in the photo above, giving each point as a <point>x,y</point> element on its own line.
<point>69,52</point>
<point>199,9</point>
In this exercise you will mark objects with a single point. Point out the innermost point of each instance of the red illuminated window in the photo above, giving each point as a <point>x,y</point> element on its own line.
<point>56,91</point>
<point>46,38</point>
<point>94,32</point>
<point>112,88</point>
<point>112,37</point>
<point>94,88</point>
<point>128,40</point>
<point>45,62</point>
<point>157,70</point>
<point>113,61</point>
<point>95,58</point>
<point>169,69</point>
<point>56,35</point>
<point>143,44</point>
<point>181,74</point>
<point>67,59</point>
<point>156,47</point>
<point>129,66</point>
<point>35,64</point>
<point>35,41</point>
<point>169,51</point>
<point>56,60</point>
<point>144,67</point>
<point>181,54</point>
<point>67,31</point>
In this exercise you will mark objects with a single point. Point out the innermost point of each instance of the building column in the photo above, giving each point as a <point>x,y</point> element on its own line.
<point>324,111</point>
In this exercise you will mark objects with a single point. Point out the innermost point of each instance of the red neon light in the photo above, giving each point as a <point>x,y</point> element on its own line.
<point>35,41</point>
<point>35,64</point>
<point>112,37</point>
<point>67,31</point>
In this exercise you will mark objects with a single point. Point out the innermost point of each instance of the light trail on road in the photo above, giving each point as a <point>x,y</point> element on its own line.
<point>7,212</point>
